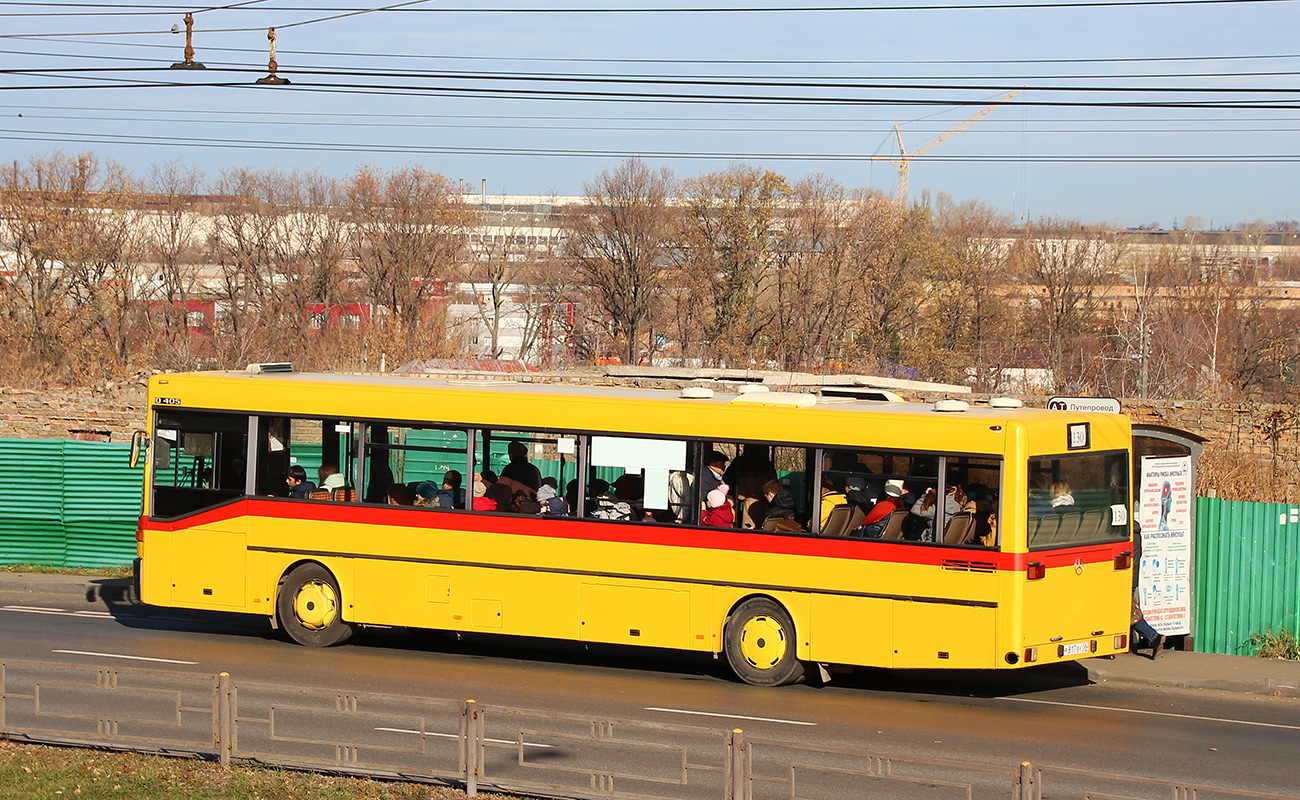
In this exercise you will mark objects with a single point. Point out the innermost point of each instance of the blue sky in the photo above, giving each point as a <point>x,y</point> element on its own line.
<point>1221,165</point>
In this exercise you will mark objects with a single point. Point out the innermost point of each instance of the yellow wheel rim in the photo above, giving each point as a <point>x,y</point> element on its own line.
<point>762,642</point>
<point>315,605</point>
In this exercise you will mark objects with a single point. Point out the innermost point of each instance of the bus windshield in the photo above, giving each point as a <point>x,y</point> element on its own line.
<point>1075,499</point>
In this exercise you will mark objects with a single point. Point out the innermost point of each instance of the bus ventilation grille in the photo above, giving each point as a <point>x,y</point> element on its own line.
<point>969,566</point>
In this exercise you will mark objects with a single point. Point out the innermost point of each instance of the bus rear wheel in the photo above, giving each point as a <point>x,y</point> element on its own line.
<point>760,646</point>
<point>309,607</point>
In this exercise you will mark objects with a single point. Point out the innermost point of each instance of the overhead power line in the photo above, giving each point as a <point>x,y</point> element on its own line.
<point>693,128</point>
<point>729,61</point>
<point>228,113</point>
<point>645,77</point>
<point>628,96</point>
<point>155,141</point>
<point>703,81</point>
<point>403,7</point>
<point>139,9</point>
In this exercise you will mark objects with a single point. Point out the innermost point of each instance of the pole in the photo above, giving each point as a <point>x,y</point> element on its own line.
<point>225,723</point>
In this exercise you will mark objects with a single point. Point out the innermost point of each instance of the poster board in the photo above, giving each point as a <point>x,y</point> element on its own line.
<point>1165,514</point>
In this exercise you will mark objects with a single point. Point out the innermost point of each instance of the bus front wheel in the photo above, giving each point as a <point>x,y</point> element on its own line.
<point>309,607</point>
<point>760,646</point>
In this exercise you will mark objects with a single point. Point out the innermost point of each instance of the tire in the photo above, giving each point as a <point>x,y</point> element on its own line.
<point>759,640</point>
<point>309,607</point>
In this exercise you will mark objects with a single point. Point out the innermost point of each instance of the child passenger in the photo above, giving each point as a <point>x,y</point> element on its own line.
<point>719,513</point>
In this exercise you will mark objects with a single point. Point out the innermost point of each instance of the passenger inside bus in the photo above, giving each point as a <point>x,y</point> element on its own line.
<point>520,473</point>
<point>831,497</point>
<point>399,494</point>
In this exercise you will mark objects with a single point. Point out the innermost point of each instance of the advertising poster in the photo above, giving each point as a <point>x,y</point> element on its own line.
<point>1165,514</point>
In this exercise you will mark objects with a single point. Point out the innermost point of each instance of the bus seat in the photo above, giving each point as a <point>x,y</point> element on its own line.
<point>837,522</point>
<point>1092,526</point>
<point>746,520</point>
<point>1047,528</point>
<point>959,528</point>
<point>347,495</point>
<point>320,494</point>
<point>1031,531</point>
<point>1069,530</point>
<point>894,528</point>
<point>855,519</point>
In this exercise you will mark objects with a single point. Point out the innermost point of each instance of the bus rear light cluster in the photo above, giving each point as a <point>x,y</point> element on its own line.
<point>1037,571</point>
<point>1031,655</point>
<point>139,534</point>
<point>1121,641</point>
<point>1124,560</point>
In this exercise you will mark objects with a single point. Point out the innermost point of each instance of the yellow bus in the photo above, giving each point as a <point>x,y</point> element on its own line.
<point>778,530</point>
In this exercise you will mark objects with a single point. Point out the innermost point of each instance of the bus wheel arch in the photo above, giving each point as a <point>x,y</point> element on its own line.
<point>759,641</point>
<point>309,606</point>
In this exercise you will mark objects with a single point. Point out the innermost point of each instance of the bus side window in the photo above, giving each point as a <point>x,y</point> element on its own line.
<point>639,480</point>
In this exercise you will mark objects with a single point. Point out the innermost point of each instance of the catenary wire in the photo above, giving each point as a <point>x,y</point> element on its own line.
<point>1160,158</point>
<point>786,83</point>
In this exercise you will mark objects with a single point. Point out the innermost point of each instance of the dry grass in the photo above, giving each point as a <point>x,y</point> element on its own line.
<point>29,771</point>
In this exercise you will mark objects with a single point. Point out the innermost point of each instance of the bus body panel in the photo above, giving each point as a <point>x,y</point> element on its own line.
<point>851,601</point>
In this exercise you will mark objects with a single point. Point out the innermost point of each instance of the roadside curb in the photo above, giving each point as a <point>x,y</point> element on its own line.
<point>90,589</point>
<point>1259,684</point>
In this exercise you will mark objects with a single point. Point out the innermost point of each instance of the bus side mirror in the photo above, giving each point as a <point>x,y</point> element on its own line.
<point>139,446</point>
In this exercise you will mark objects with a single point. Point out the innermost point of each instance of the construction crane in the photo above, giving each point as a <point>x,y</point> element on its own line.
<point>905,159</point>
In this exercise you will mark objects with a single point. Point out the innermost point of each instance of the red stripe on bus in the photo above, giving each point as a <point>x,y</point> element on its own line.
<point>635,533</point>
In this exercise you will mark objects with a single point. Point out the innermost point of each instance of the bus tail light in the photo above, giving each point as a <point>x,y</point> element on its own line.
<point>1121,641</point>
<point>1037,571</point>
<point>1031,655</point>
<point>1124,560</point>
<point>139,534</point>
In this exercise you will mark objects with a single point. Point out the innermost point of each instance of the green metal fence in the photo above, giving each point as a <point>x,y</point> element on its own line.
<point>1246,572</point>
<point>67,504</point>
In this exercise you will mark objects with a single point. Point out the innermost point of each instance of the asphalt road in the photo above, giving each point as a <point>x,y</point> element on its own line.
<point>1049,717</point>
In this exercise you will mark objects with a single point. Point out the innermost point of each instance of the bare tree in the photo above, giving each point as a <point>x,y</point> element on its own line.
<point>1065,264</point>
<point>616,245</point>
<point>243,246</point>
<point>316,292</point>
<point>173,231</point>
<point>889,254</point>
<point>812,263</point>
<point>969,280</point>
<point>104,260</point>
<point>729,226</point>
<point>411,227</point>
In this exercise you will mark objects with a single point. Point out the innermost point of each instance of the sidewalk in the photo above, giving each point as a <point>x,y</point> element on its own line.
<point>1173,668</point>
<point>88,588</point>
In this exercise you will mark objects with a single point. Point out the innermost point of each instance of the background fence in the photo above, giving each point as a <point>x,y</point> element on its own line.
<point>68,503</point>
<point>1246,572</point>
<point>76,504</point>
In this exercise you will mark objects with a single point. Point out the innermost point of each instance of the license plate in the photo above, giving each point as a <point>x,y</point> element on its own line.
<point>1076,649</point>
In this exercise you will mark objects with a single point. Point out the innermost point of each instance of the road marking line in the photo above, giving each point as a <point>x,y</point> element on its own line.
<point>92,614</point>
<point>1155,713</point>
<point>730,716</point>
<point>115,655</point>
<point>32,608</point>
<point>457,736</point>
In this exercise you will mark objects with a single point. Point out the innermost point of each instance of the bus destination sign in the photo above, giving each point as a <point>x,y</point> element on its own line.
<point>1108,405</point>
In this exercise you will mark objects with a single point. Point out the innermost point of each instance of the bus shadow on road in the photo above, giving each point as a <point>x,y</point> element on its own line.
<point>965,683</point>
<point>117,596</point>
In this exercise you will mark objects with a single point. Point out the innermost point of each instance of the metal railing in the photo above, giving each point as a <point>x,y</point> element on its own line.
<point>499,747</point>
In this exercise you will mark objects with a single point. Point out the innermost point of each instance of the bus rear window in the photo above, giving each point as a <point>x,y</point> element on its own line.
<point>1075,499</point>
